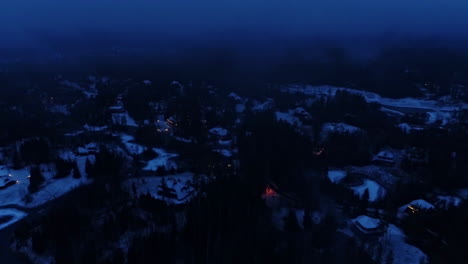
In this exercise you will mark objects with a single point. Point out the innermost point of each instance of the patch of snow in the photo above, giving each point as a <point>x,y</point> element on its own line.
<point>235,96</point>
<point>268,104</point>
<point>391,111</point>
<point>225,152</point>
<point>95,128</point>
<point>182,139</point>
<point>219,131</point>
<point>336,176</point>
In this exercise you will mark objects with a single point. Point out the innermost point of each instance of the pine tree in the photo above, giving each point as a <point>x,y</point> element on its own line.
<point>307,220</point>
<point>36,179</point>
<point>389,259</point>
<point>290,222</point>
<point>76,172</point>
<point>88,168</point>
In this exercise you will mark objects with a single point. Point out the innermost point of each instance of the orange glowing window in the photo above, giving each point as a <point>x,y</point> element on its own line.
<point>269,192</point>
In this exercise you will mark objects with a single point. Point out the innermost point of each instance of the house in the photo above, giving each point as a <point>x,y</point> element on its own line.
<point>219,133</point>
<point>275,198</point>
<point>414,207</point>
<point>385,158</point>
<point>367,227</point>
<point>117,107</point>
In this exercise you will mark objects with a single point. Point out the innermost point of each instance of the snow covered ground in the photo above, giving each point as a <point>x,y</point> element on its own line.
<point>18,194</point>
<point>336,176</point>
<point>180,186</point>
<point>376,192</point>
<point>395,241</point>
<point>10,216</point>
<point>438,110</point>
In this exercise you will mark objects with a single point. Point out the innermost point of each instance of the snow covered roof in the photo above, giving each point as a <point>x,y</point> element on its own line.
<point>219,131</point>
<point>235,96</point>
<point>385,156</point>
<point>421,204</point>
<point>376,192</point>
<point>367,222</point>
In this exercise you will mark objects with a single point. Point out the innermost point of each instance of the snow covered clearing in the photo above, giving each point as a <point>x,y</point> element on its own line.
<point>376,192</point>
<point>18,194</point>
<point>288,118</point>
<point>10,216</point>
<point>173,189</point>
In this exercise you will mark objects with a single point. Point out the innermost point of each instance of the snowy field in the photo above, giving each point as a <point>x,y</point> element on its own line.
<point>179,185</point>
